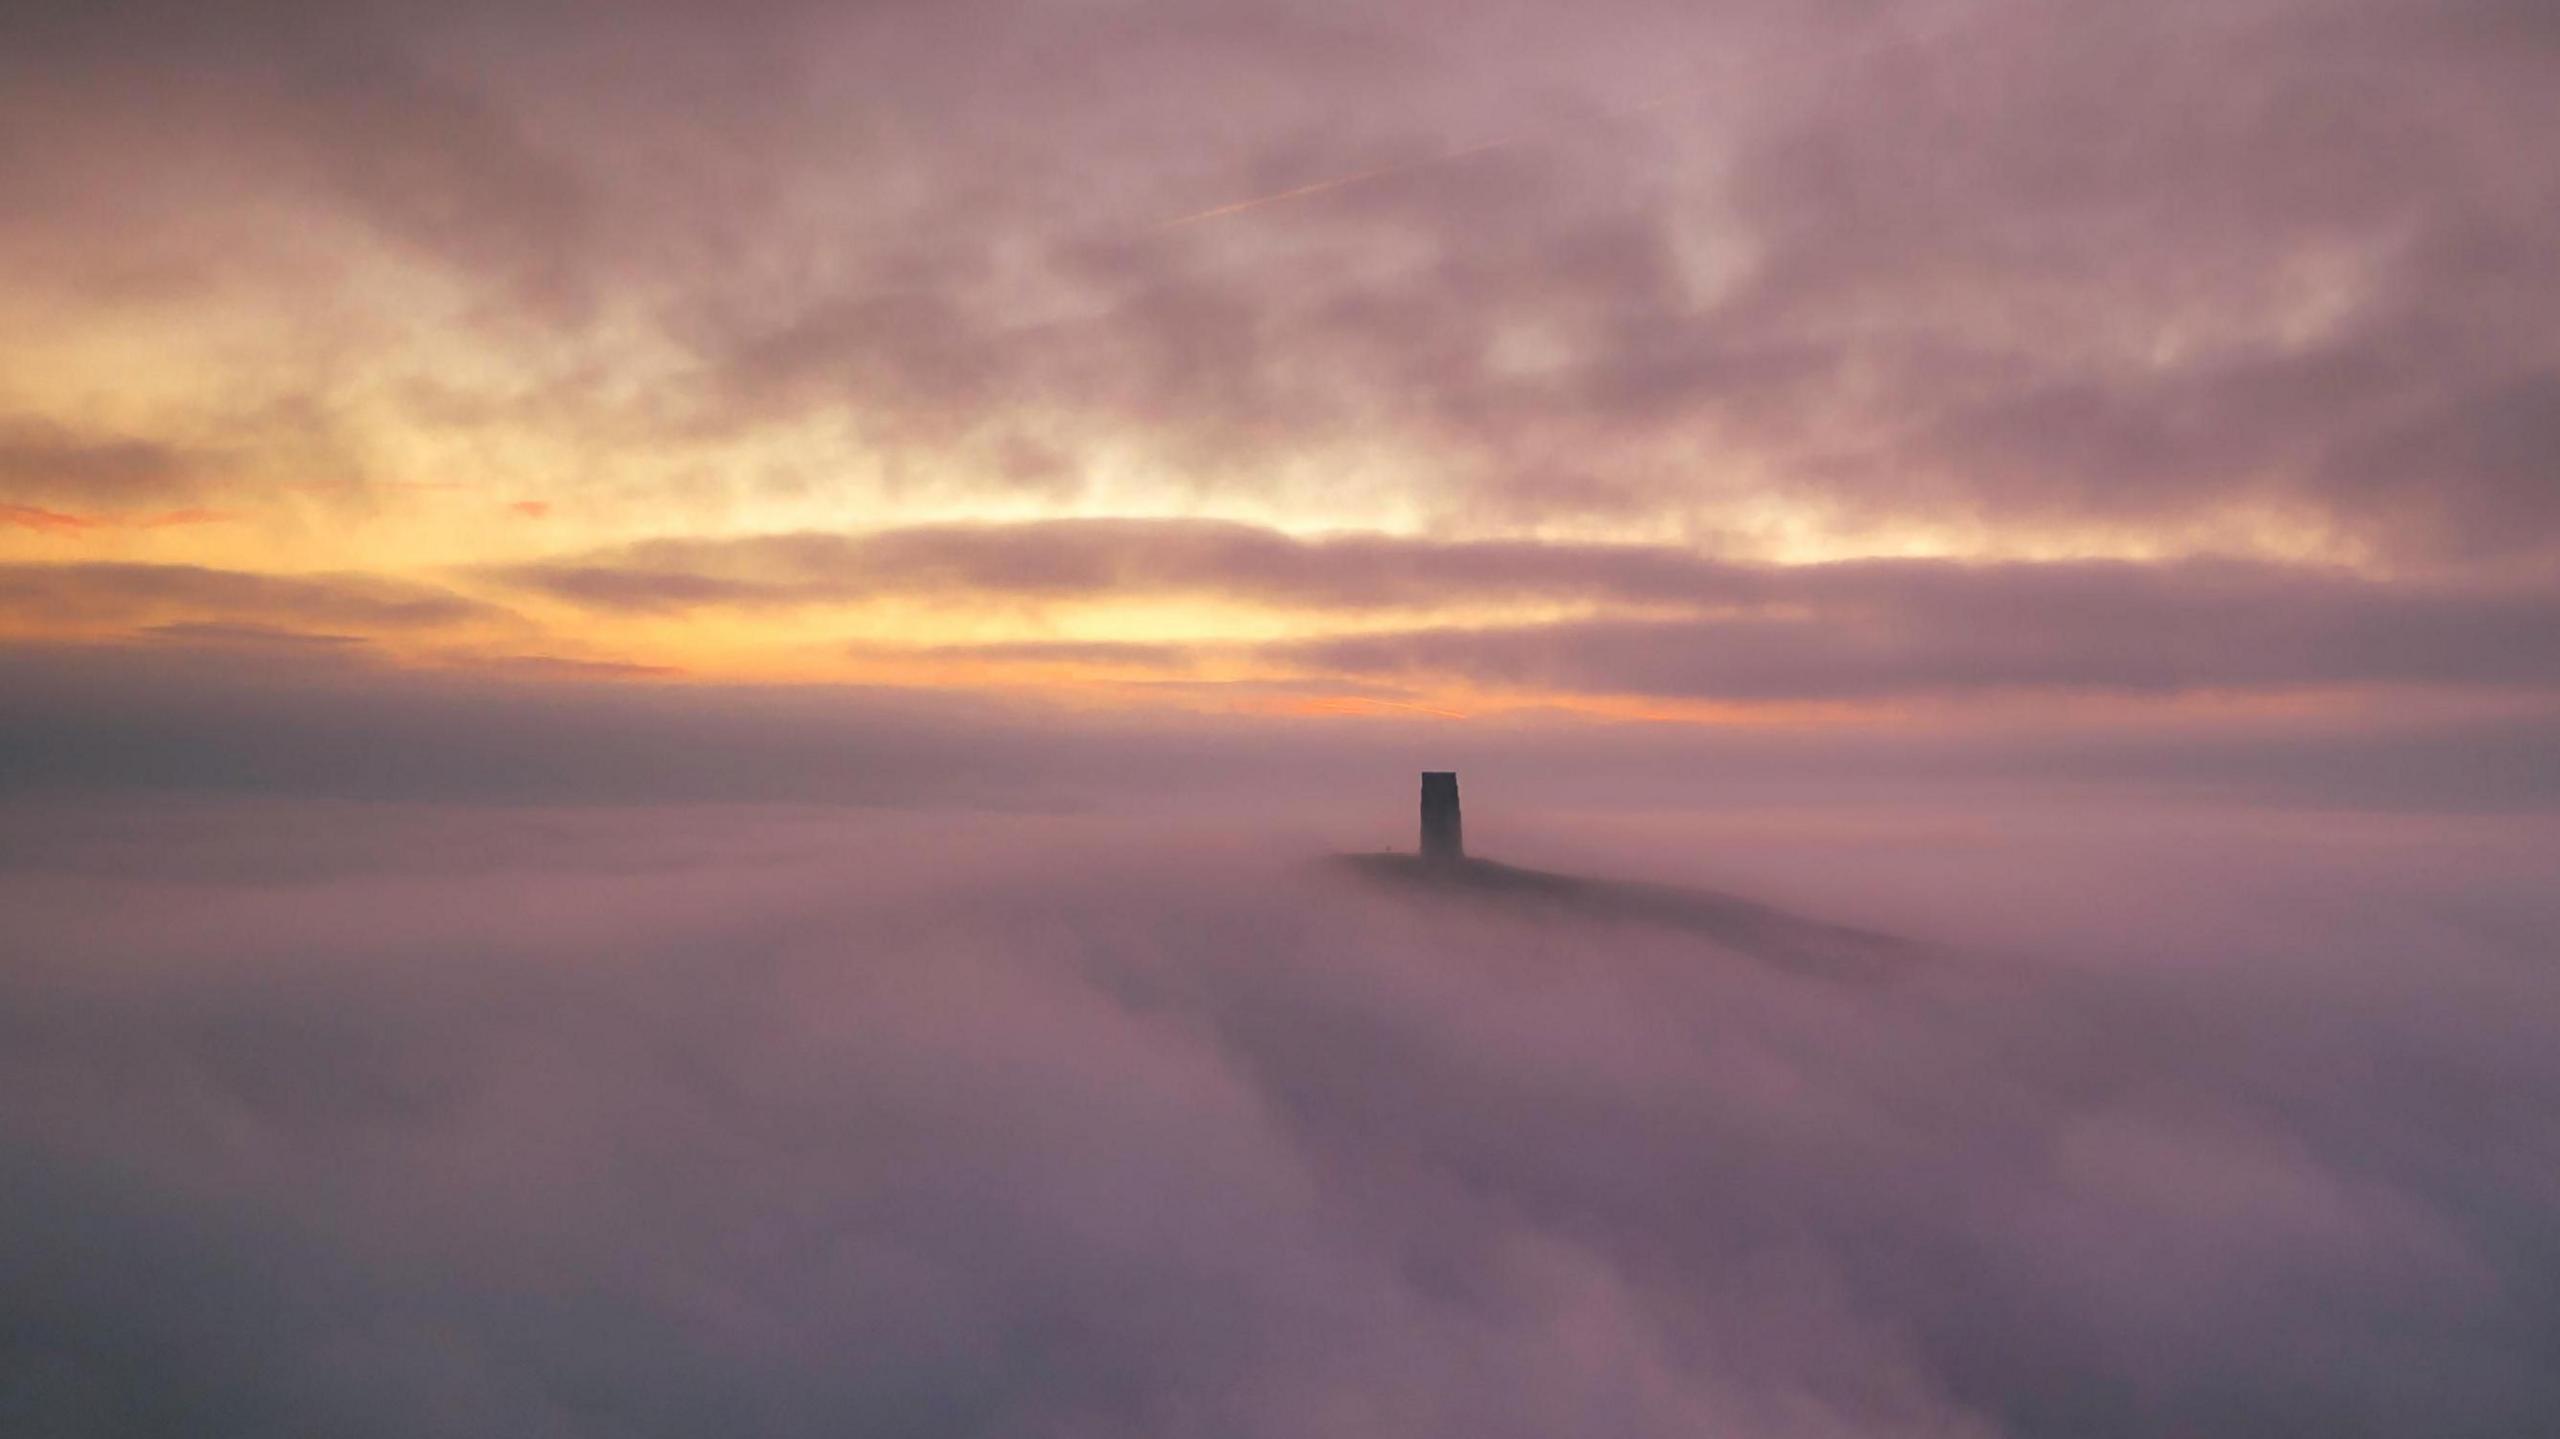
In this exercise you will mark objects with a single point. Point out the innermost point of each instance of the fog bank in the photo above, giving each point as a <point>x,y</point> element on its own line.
<point>329,1118</point>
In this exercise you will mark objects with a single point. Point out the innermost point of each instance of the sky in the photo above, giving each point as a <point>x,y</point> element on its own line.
<point>1742,365</point>
<point>698,704</point>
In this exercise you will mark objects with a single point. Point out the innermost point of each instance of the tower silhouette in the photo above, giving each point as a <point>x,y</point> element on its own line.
<point>1441,838</point>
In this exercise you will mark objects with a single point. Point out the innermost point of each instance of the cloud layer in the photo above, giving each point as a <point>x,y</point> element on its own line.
<point>409,1121</point>
<point>247,709</point>
<point>1668,621</point>
<point>1529,292</point>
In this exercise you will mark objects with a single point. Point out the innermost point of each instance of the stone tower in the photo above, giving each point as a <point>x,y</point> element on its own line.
<point>1441,840</point>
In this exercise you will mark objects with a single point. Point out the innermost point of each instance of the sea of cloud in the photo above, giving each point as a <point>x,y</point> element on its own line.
<point>332,1118</point>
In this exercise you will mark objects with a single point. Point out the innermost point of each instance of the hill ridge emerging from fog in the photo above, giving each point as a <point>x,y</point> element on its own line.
<point>1762,931</point>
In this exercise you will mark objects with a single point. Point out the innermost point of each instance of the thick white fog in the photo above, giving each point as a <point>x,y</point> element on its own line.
<point>324,1118</point>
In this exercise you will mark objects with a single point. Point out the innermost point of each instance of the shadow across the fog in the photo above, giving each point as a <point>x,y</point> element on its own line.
<point>1763,932</point>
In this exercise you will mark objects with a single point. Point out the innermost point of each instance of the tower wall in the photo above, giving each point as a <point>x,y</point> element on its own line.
<point>1441,837</point>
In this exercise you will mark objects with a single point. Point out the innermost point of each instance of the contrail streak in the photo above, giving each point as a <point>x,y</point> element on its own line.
<point>1381,172</point>
<point>1341,182</point>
